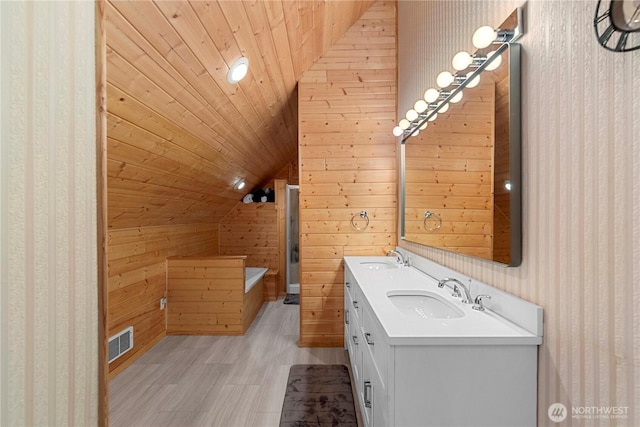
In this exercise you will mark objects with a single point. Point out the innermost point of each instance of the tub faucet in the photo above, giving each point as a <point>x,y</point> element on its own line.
<point>399,256</point>
<point>466,298</point>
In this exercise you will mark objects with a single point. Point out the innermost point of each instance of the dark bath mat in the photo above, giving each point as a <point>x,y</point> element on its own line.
<point>318,396</point>
<point>292,299</point>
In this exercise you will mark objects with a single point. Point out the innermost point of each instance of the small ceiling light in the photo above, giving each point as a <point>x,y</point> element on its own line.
<point>397,131</point>
<point>495,63</point>
<point>420,106</point>
<point>444,79</point>
<point>507,185</point>
<point>456,98</point>
<point>238,70</point>
<point>404,124</point>
<point>239,185</point>
<point>461,61</point>
<point>412,115</point>
<point>431,95</point>
<point>475,82</point>
<point>483,37</point>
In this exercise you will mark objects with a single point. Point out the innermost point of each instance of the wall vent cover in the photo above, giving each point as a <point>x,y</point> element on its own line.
<point>120,343</point>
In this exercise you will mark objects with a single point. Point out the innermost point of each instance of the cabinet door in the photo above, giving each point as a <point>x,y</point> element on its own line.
<point>375,340</point>
<point>374,395</point>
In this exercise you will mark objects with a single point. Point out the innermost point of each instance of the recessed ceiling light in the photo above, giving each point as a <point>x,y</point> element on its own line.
<point>239,185</point>
<point>238,70</point>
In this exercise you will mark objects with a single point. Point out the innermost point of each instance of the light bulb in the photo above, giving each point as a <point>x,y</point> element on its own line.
<point>415,132</point>
<point>461,60</point>
<point>444,79</point>
<point>507,185</point>
<point>238,70</point>
<point>404,124</point>
<point>412,115</point>
<point>240,185</point>
<point>475,82</point>
<point>424,125</point>
<point>433,117</point>
<point>495,63</point>
<point>444,108</point>
<point>457,98</point>
<point>420,106</point>
<point>483,37</point>
<point>431,95</point>
<point>397,131</point>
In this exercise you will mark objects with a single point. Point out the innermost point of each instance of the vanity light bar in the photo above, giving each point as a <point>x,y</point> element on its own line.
<point>451,85</point>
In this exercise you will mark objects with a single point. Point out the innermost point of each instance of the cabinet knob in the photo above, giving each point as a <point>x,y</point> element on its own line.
<point>347,284</point>
<point>355,339</point>
<point>355,304</point>
<point>368,338</point>
<point>367,394</point>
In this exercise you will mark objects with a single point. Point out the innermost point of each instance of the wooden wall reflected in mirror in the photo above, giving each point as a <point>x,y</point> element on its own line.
<point>465,167</point>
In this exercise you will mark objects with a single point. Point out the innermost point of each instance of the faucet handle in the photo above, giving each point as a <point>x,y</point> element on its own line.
<point>478,302</point>
<point>456,291</point>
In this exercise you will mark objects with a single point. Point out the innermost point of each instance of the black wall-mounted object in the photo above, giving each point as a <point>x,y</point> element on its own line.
<point>617,25</point>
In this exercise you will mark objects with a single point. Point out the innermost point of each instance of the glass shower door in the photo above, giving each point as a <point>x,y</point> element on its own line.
<point>293,244</point>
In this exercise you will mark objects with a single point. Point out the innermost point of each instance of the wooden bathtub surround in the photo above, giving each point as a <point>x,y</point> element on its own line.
<point>271,278</point>
<point>205,296</point>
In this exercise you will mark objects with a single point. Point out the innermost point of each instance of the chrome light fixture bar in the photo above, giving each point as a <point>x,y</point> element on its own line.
<point>452,84</point>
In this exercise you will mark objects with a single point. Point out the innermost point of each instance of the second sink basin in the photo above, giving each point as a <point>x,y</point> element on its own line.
<point>379,265</point>
<point>423,305</point>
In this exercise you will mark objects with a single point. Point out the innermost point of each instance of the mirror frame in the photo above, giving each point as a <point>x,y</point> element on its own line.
<point>515,161</point>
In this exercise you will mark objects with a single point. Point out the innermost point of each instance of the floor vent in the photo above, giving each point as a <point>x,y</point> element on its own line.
<point>120,343</point>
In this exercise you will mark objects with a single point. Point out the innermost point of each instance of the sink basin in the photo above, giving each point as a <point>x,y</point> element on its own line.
<point>379,265</point>
<point>423,305</point>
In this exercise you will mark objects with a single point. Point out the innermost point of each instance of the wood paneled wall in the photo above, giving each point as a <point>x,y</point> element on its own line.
<point>251,229</point>
<point>137,279</point>
<point>347,108</point>
<point>448,171</point>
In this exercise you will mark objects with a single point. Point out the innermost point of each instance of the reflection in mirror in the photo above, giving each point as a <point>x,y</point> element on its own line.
<point>462,173</point>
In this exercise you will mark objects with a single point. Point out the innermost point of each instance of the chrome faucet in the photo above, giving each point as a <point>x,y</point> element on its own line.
<point>399,257</point>
<point>467,299</point>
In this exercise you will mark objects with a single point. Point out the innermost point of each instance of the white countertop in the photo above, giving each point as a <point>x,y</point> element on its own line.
<point>474,328</point>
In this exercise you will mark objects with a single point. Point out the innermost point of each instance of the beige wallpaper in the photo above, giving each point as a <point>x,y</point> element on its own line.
<point>48,267</point>
<point>581,158</point>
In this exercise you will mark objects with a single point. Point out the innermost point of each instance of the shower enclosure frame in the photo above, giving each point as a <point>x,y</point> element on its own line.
<point>292,239</point>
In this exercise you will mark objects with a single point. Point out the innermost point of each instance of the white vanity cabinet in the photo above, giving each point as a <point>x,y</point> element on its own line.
<point>433,380</point>
<point>368,353</point>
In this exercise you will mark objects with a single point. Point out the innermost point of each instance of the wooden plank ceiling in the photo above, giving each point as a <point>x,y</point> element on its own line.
<point>179,135</point>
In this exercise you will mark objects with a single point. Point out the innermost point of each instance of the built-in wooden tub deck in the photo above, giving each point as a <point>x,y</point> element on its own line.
<point>206,295</point>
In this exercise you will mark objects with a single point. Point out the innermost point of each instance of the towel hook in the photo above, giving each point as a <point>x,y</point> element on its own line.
<point>363,215</point>
<point>436,217</point>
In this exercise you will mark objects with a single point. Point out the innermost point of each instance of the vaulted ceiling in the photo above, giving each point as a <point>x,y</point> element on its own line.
<point>179,135</point>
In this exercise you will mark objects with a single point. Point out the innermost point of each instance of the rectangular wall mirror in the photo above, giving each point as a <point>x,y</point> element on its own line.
<point>461,176</point>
